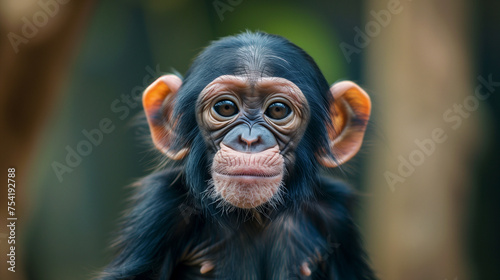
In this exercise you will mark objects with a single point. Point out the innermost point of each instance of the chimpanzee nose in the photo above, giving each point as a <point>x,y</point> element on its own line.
<point>249,139</point>
<point>254,139</point>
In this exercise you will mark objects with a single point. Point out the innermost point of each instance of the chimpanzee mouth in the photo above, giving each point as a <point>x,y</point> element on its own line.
<point>249,174</point>
<point>246,180</point>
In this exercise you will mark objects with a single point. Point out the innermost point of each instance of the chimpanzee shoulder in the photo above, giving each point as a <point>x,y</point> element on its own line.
<point>150,226</point>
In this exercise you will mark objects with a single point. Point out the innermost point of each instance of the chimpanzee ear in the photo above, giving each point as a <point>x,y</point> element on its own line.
<point>349,112</point>
<point>158,102</point>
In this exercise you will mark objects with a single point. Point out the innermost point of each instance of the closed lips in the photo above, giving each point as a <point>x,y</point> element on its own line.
<point>250,174</point>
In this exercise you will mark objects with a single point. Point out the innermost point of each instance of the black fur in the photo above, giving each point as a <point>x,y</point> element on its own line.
<point>170,217</point>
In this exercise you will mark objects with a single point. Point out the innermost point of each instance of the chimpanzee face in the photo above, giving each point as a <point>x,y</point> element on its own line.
<point>252,123</point>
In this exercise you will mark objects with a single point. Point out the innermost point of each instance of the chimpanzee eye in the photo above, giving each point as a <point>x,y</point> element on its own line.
<point>278,111</point>
<point>226,108</point>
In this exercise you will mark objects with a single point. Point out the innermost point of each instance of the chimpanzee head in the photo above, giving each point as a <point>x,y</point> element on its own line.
<point>252,119</point>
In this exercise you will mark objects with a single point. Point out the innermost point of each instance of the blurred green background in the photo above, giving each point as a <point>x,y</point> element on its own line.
<point>441,223</point>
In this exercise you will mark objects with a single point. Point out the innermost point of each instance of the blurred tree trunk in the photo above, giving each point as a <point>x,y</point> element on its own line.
<point>418,67</point>
<point>34,61</point>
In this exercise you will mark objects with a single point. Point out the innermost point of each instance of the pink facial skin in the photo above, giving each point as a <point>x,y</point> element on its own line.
<point>247,180</point>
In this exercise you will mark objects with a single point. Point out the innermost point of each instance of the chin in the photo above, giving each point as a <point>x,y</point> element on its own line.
<point>246,191</point>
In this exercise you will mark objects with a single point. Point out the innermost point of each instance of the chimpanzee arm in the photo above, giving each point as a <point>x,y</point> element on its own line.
<point>149,239</point>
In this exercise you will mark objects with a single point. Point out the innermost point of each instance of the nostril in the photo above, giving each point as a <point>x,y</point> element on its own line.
<point>249,141</point>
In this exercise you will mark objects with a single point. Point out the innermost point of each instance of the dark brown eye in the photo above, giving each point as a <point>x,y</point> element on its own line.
<point>278,111</point>
<point>226,108</point>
